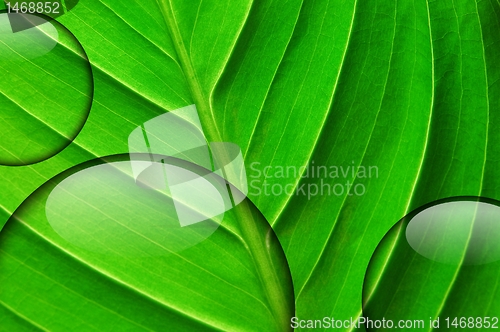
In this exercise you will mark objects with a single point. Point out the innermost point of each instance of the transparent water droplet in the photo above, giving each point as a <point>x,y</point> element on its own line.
<point>46,88</point>
<point>440,261</point>
<point>70,237</point>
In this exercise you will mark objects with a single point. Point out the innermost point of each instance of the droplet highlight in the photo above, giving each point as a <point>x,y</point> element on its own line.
<point>102,209</point>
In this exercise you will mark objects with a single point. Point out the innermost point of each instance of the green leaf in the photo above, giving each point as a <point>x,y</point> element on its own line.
<point>219,292</point>
<point>407,88</point>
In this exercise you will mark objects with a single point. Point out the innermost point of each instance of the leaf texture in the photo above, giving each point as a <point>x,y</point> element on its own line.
<point>409,88</point>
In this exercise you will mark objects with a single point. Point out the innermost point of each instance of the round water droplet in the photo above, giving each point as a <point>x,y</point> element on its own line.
<point>440,261</point>
<point>86,233</point>
<point>46,88</point>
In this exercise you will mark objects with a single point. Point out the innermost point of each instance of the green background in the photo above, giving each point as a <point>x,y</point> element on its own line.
<point>412,87</point>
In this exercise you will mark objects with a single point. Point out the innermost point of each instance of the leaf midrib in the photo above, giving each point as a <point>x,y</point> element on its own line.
<point>190,74</point>
<point>261,259</point>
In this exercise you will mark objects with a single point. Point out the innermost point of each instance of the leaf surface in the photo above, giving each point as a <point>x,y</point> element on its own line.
<point>407,90</point>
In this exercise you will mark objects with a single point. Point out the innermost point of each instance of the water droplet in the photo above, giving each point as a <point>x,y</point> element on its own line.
<point>46,89</point>
<point>440,261</point>
<point>96,223</point>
